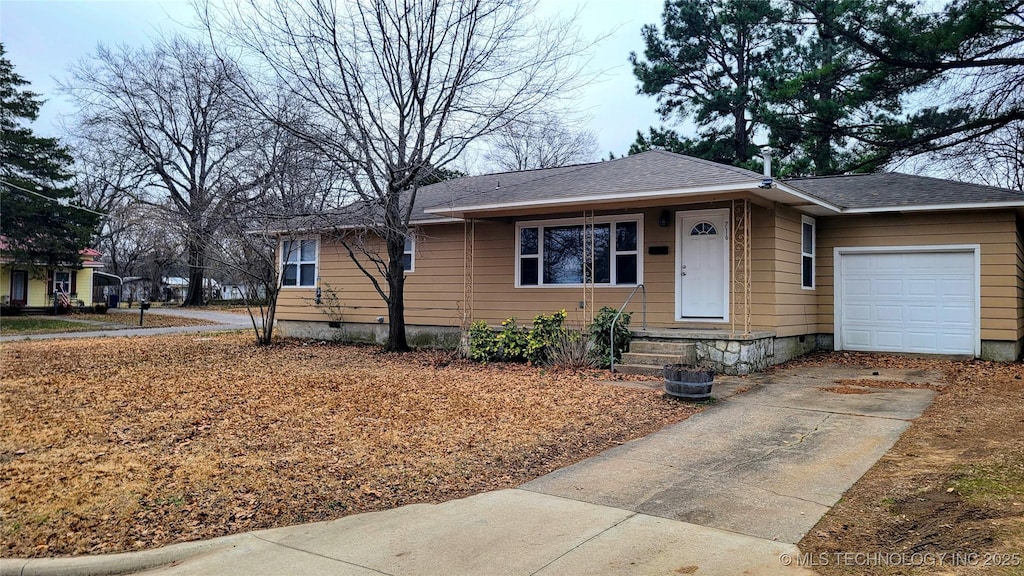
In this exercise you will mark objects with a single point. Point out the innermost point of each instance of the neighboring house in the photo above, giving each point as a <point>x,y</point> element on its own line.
<point>22,287</point>
<point>752,271</point>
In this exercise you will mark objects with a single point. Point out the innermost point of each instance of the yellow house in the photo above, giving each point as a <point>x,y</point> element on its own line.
<point>750,270</point>
<point>23,288</point>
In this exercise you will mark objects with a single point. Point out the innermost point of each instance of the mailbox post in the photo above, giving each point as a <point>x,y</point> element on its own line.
<point>143,306</point>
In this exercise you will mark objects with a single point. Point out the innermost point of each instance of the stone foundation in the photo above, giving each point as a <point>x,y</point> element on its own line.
<point>737,357</point>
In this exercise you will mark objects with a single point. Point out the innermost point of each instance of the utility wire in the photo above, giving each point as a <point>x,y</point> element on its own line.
<point>45,197</point>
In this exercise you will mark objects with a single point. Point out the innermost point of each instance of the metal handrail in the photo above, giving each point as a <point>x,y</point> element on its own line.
<point>611,331</point>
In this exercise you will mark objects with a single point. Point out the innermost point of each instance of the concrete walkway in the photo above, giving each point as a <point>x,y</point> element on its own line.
<point>219,321</point>
<point>728,491</point>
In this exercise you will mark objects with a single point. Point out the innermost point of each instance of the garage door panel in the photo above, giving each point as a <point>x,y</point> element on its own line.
<point>859,339</point>
<point>888,314</point>
<point>957,288</point>
<point>925,314</point>
<point>922,287</point>
<point>908,301</point>
<point>856,286</point>
<point>956,342</point>
<point>857,312</point>
<point>889,340</point>
<point>958,315</point>
<point>921,341</point>
<point>888,287</point>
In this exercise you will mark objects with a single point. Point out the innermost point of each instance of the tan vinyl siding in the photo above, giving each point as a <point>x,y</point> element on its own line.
<point>796,308</point>
<point>1019,296</point>
<point>434,292</point>
<point>995,231</point>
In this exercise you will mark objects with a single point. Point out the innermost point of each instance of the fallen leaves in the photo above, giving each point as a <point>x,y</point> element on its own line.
<point>909,501</point>
<point>112,445</point>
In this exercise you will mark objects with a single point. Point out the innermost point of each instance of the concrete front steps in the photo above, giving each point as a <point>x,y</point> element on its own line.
<point>650,356</point>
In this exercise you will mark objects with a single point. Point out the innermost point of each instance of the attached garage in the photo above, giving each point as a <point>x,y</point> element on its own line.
<point>908,299</point>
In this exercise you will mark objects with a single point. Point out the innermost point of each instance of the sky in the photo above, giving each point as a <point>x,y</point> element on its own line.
<point>43,38</point>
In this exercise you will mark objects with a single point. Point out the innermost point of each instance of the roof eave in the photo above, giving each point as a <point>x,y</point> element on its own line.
<point>497,208</point>
<point>936,207</point>
<point>341,227</point>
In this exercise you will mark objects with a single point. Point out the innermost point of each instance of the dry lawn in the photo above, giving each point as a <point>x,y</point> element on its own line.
<point>949,497</point>
<point>150,320</point>
<point>110,445</point>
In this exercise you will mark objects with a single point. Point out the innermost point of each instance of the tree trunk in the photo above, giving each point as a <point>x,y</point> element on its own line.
<point>396,302</point>
<point>196,270</point>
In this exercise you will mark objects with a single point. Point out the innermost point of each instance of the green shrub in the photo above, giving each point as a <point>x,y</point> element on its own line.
<point>546,331</point>
<point>99,308</point>
<point>601,338</point>
<point>483,342</point>
<point>514,343</point>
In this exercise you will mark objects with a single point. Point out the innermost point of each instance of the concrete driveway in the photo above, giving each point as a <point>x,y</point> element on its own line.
<point>728,491</point>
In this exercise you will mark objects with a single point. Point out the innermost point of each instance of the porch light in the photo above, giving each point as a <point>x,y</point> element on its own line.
<point>664,219</point>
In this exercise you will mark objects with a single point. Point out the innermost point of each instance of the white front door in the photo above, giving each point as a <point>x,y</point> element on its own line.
<point>702,277</point>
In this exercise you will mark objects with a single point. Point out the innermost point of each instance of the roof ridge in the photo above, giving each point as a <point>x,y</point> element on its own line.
<point>704,161</point>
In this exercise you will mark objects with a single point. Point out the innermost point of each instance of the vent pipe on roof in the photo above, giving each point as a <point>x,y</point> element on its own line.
<point>766,153</point>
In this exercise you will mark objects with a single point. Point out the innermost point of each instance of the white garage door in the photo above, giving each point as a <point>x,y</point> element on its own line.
<point>907,302</point>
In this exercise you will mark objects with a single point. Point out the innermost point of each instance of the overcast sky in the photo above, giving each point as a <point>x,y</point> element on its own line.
<point>44,37</point>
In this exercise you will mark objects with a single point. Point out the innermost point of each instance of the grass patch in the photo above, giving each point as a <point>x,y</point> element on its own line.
<point>28,325</point>
<point>991,482</point>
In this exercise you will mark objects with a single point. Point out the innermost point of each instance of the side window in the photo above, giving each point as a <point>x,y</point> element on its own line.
<point>298,262</point>
<point>409,256</point>
<point>529,256</point>
<point>807,242</point>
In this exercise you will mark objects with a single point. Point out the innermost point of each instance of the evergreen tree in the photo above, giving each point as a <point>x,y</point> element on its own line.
<point>965,64</point>
<point>822,97</point>
<point>39,225</point>
<point>707,63</point>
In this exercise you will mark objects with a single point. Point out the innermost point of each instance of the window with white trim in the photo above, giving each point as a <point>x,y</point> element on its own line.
<point>62,282</point>
<point>298,262</point>
<point>807,241</point>
<point>605,251</point>
<point>409,255</point>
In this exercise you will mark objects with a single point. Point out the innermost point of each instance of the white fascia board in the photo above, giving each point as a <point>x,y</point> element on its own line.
<point>936,207</point>
<point>320,230</point>
<point>810,199</point>
<point>655,194</point>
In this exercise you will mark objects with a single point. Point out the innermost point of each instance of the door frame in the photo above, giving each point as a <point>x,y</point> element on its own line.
<point>837,275</point>
<point>727,219</point>
<point>24,286</point>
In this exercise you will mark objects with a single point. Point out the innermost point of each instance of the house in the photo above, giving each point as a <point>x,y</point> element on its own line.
<point>23,287</point>
<point>750,271</point>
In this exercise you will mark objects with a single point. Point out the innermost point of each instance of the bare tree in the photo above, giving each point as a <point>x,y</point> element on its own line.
<point>106,183</point>
<point>398,88</point>
<point>996,159</point>
<point>175,111</point>
<point>297,185</point>
<point>543,140</point>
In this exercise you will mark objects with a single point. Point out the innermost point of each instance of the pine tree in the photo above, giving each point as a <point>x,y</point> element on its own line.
<point>39,225</point>
<point>822,97</point>
<point>707,63</point>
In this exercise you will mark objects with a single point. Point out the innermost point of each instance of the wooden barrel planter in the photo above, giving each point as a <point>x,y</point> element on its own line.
<point>689,382</point>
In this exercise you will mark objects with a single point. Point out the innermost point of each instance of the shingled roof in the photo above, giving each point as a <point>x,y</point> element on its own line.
<point>864,192</point>
<point>654,170</point>
<point>661,174</point>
